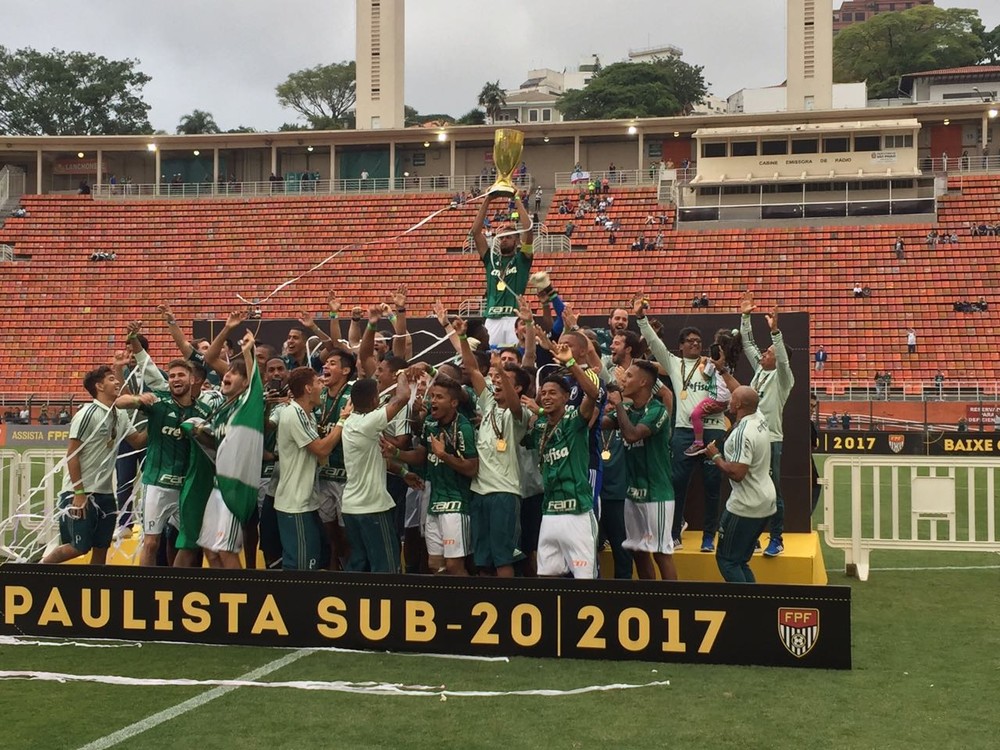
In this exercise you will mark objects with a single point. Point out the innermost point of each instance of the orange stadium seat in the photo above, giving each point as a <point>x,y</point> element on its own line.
<point>64,313</point>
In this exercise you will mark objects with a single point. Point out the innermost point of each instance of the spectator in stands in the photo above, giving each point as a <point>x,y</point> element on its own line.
<point>570,227</point>
<point>25,416</point>
<point>911,341</point>
<point>43,416</point>
<point>954,238</point>
<point>899,248</point>
<point>700,302</point>
<point>962,426</point>
<point>932,239</point>
<point>833,421</point>
<point>63,416</point>
<point>658,242</point>
<point>939,382</point>
<point>845,421</point>
<point>538,198</point>
<point>858,290</point>
<point>820,358</point>
<point>996,421</point>
<point>19,213</point>
<point>640,242</point>
<point>981,305</point>
<point>605,185</point>
<point>9,416</point>
<point>879,384</point>
<point>522,173</point>
<point>84,188</point>
<point>612,239</point>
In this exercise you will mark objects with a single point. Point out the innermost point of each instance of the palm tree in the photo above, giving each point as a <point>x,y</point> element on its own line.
<point>197,122</point>
<point>492,98</point>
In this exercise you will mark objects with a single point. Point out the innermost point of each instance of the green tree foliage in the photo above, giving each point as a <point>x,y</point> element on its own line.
<point>991,44</point>
<point>197,122</point>
<point>242,129</point>
<point>474,116</point>
<point>70,93</point>
<point>492,98</point>
<point>323,95</point>
<point>889,45</point>
<point>664,87</point>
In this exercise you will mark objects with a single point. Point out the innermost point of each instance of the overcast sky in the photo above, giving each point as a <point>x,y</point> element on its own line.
<point>226,56</point>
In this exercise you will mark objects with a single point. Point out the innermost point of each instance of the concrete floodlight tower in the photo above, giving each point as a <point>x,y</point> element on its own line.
<point>810,54</point>
<point>380,32</point>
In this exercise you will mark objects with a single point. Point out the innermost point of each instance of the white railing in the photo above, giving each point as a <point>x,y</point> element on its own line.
<point>908,503</point>
<point>298,187</point>
<point>472,307</point>
<point>618,178</point>
<point>6,252</point>
<point>11,185</point>
<point>957,164</point>
<point>905,390</point>
<point>26,515</point>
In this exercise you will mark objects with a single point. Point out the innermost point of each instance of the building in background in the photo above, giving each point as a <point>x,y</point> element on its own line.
<point>775,98</point>
<point>380,59</point>
<point>858,11</point>
<point>969,84</point>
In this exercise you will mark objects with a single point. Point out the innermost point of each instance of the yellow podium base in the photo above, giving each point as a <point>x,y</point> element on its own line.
<point>800,563</point>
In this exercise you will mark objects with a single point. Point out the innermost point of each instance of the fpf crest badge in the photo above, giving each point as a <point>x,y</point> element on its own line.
<point>798,629</point>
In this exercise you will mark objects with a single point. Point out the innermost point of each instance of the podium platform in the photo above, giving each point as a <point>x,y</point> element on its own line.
<point>800,563</point>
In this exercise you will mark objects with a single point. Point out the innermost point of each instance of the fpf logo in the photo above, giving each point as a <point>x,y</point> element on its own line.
<point>798,629</point>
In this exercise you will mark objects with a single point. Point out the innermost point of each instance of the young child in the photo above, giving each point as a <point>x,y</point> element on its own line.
<point>731,346</point>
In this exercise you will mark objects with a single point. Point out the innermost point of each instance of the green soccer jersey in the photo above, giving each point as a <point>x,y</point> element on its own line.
<point>513,271</point>
<point>450,491</point>
<point>647,462</point>
<point>168,450</point>
<point>330,407</point>
<point>565,455</point>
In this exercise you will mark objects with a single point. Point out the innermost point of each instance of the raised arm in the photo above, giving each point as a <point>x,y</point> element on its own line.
<point>402,343</point>
<point>175,330</point>
<point>587,384</point>
<point>750,348</point>
<point>354,332</point>
<point>656,346</point>
<point>782,365</point>
<point>469,362</point>
<point>631,433</point>
<point>524,220</point>
<point>477,226</point>
<point>366,352</point>
<point>510,396</point>
<point>213,357</point>
<point>307,321</point>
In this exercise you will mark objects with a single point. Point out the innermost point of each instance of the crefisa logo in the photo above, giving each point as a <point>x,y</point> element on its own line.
<point>896,443</point>
<point>798,629</point>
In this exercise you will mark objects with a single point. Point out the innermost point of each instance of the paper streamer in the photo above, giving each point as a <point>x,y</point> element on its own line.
<point>337,686</point>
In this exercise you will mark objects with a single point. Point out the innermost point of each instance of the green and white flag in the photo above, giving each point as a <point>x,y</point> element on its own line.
<point>237,459</point>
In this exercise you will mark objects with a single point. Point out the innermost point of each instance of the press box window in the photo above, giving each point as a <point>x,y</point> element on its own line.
<point>898,141</point>
<point>805,146</point>
<point>836,145</point>
<point>867,142</point>
<point>744,148</point>
<point>773,148</point>
<point>713,150</point>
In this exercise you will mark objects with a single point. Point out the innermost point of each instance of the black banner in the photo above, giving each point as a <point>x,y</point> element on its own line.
<point>786,626</point>
<point>932,443</point>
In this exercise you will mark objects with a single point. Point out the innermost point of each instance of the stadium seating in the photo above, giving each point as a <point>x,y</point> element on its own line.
<point>63,313</point>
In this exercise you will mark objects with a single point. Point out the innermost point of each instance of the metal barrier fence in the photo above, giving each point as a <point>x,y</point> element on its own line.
<point>299,187</point>
<point>909,503</point>
<point>27,504</point>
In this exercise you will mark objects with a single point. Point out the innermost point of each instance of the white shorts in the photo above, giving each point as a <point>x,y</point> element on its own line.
<point>647,527</point>
<point>159,505</point>
<point>567,543</point>
<point>448,535</point>
<point>502,331</point>
<point>330,495</point>
<point>220,531</point>
<point>417,502</point>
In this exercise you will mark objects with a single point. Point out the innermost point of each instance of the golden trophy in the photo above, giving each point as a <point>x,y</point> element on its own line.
<point>507,147</point>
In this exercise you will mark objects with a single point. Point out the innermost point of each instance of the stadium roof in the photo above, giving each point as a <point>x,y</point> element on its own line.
<point>968,70</point>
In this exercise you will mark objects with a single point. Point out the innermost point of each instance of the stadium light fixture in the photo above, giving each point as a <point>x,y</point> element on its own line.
<point>545,139</point>
<point>151,147</point>
<point>406,174</point>
<point>80,154</point>
<point>427,144</point>
<point>197,152</point>
<point>993,113</point>
<point>677,134</point>
<point>442,136</point>
<point>947,121</point>
<point>309,149</point>
<point>632,130</point>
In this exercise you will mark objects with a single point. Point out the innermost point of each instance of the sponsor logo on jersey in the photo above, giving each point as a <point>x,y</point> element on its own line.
<point>798,628</point>
<point>562,506</point>
<point>555,454</point>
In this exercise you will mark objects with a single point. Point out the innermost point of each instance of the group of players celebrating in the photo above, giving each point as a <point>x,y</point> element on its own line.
<point>539,442</point>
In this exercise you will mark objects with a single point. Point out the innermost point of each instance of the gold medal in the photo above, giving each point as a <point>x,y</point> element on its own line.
<point>501,285</point>
<point>501,445</point>
<point>605,455</point>
<point>684,395</point>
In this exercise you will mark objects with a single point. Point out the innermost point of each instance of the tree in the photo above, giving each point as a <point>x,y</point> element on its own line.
<point>70,93</point>
<point>492,98</point>
<point>889,45</point>
<point>323,95</point>
<point>664,87</point>
<point>197,122</point>
<point>991,44</point>
<point>474,116</point>
<point>242,129</point>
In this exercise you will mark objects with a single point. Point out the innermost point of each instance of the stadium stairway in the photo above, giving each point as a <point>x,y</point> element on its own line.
<point>63,313</point>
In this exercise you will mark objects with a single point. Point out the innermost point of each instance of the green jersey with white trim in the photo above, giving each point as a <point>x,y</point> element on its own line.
<point>648,465</point>
<point>450,491</point>
<point>513,271</point>
<point>168,450</point>
<point>564,451</point>
<point>330,408</point>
